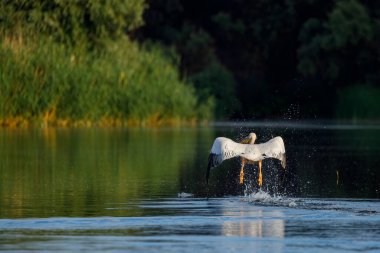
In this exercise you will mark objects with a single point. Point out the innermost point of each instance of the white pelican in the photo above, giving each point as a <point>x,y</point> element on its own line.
<point>224,148</point>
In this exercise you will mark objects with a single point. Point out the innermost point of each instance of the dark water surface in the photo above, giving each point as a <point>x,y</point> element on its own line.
<point>144,191</point>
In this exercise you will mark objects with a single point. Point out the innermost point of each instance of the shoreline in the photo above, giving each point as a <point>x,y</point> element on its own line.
<point>327,124</point>
<point>20,122</point>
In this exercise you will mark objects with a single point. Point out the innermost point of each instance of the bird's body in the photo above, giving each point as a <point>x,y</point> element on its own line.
<point>224,148</point>
<point>274,148</point>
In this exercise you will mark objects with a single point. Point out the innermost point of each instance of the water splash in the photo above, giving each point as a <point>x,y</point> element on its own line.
<point>185,195</point>
<point>262,197</point>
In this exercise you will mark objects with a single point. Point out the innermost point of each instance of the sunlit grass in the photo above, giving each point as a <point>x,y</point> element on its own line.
<point>45,83</point>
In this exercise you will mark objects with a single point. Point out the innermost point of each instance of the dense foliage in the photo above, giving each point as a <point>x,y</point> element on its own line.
<point>279,54</point>
<point>65,62</point>
<point>170,60</point>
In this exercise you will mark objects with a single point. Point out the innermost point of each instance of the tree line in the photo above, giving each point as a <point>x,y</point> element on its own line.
<point>74,63</point>
<point>262,59</point>
<point>162,61</point>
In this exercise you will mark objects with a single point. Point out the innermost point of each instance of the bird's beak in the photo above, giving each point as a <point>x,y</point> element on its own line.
<point>246,140</point>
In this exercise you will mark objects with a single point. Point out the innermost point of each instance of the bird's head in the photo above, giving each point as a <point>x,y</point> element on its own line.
<point>250,139</point>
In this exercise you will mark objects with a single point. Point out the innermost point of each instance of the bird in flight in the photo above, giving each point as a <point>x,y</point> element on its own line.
<point>249,152</point>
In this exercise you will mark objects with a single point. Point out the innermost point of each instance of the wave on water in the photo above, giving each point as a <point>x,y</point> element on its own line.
<point>361,207</point>
<point>354,206</point>
<point>263,197</point>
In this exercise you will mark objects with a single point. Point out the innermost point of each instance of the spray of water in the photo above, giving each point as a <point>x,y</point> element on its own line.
<point>262,197</point>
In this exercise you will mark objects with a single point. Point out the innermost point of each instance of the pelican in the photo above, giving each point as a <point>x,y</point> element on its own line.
<point>249,152</point>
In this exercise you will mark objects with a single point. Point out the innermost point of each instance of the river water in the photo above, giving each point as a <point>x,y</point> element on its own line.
<point>144,190</point>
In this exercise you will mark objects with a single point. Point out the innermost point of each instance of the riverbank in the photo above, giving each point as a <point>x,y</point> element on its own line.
<point>155,121</point>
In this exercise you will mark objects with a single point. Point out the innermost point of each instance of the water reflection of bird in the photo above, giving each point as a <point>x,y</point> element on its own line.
<point>259,227</point>
<point>249,152</point>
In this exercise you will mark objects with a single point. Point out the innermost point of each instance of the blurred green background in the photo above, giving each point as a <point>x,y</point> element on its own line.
<point>152,62</point>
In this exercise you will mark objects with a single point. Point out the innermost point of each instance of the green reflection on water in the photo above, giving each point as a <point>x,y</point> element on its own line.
<point>108,172</point>
<point>80,172</point>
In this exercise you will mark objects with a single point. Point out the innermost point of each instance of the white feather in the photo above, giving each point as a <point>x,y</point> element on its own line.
<point>226,148</point>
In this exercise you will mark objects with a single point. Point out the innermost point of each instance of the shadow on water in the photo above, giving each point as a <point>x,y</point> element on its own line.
<point>82,172</point>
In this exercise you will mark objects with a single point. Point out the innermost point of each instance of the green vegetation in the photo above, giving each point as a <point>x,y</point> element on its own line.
<point>162,61</point>
<point>280,54</point>
<point>64,63</point>
<point>50,84</point>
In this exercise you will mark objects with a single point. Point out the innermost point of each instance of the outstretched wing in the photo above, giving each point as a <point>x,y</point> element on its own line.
<point>274,148</point>
<point>222,149</point>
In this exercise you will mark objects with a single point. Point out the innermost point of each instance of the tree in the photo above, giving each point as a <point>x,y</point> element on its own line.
<point>172,22</point>
<point>337,49</point>
<point>73,22</point>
